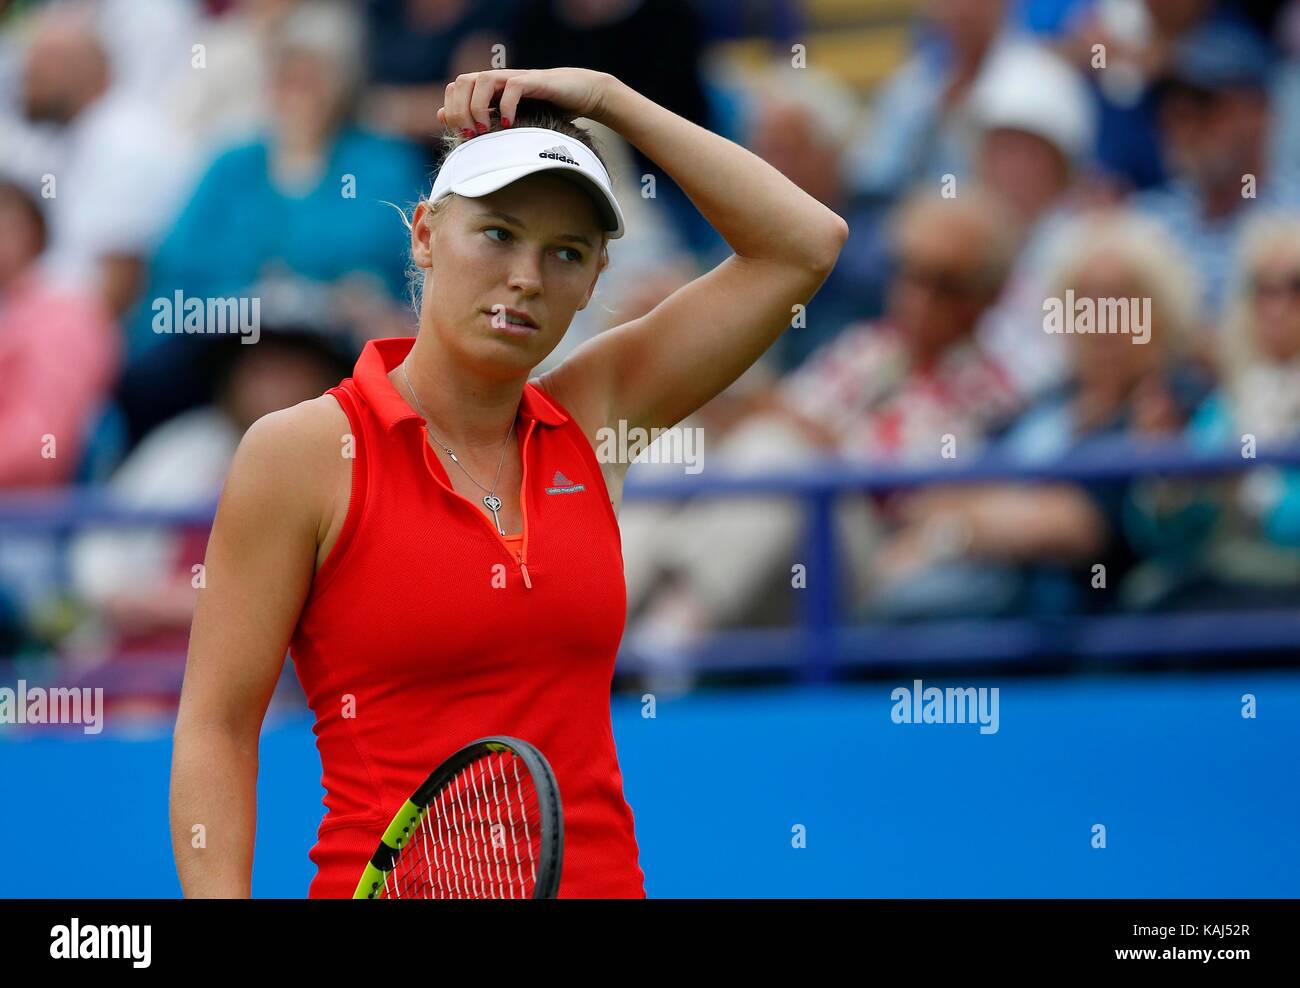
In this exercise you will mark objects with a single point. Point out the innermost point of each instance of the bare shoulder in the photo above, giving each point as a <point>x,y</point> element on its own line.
<point>266,533</point>
<point>299,438</point>
<point>295,458</point>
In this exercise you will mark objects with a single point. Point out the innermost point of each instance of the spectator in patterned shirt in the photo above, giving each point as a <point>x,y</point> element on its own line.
<point>991,549</point>
<point>903,391</point>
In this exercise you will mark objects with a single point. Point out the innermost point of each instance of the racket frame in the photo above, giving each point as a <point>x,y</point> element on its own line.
<point>407,819</point>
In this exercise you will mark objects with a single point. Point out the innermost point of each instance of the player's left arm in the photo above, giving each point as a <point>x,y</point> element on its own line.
<point>655,370</point>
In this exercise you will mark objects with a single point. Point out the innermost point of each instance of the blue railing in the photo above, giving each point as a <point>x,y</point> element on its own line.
<point>824,640</point>
<point>827,644</point>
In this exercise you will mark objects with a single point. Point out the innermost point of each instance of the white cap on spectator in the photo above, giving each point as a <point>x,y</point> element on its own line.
<point>1026,87</point>
<point>486,163</point>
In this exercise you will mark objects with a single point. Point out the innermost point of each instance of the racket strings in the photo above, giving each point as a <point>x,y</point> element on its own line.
<point>479,837</point>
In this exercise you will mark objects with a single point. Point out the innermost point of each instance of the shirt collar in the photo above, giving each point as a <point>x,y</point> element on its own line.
<point>378,357</point>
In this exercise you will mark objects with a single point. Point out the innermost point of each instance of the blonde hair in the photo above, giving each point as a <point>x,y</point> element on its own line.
<point>1143,247</point>
<point>1264,237</point>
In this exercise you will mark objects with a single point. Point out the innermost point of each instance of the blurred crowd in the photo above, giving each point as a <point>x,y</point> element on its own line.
<point>1022,151</point>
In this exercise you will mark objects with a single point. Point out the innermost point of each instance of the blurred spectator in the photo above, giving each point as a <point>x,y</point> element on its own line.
<point>104,158</point>
<point>919,129</point>
<point>1288,88</point>
<point>1216,121</point>
<point>149,43</point>
<point>225,99</point>
<point>306,200</point>
<point>784,22</point>
<point>1048,17</point>
<point>992,549</point>
<point>1191,89</point>
<point>59,352</point>
<point>800,121</point>
<point>1123,48</point>
<point>1261,343</point>
<point>287,198</point>
<point>636,42</point>
<point>1034,126</point>
<point>891,390</point>
<point>137,584</point>
<point>1237,542</point>
<point>418,46</point>
<point>10,56</point>
<point>896,391</point>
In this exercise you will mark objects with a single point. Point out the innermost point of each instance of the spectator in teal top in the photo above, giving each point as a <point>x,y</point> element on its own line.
<point>307,201</point>
<point>1246,549</point>
<point>1003,548</point>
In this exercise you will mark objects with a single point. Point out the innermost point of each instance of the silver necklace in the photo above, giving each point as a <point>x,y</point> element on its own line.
<point>490,499</point>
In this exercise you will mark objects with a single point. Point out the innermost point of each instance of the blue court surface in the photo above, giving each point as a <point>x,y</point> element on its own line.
<point>1195,799</point>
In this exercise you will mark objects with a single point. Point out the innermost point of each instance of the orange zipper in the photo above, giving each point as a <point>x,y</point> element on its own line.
<point>523,505</point>
<point>520,557</point>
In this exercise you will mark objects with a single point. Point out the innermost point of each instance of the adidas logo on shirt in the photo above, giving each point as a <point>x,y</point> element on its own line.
<point>560,484</point>
<point>557,153</point>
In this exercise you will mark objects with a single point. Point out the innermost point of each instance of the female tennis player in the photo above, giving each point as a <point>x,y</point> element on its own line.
<point>434,540</point>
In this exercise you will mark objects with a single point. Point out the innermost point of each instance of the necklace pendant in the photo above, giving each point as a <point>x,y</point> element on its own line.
<point>494,505</point>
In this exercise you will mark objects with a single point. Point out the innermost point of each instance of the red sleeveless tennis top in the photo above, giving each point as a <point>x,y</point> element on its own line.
<point>424,630</point>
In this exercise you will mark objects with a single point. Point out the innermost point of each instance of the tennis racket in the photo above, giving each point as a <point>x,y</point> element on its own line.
<point>486,824</point>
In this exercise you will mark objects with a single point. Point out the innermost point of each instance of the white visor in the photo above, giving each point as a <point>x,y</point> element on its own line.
<point>492,161</point>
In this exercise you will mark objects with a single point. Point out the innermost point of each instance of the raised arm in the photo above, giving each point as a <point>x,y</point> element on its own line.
<point>686,350</point>
<point>655,370</point>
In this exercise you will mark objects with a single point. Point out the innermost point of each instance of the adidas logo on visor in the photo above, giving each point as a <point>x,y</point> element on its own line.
<point>557,153</point>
